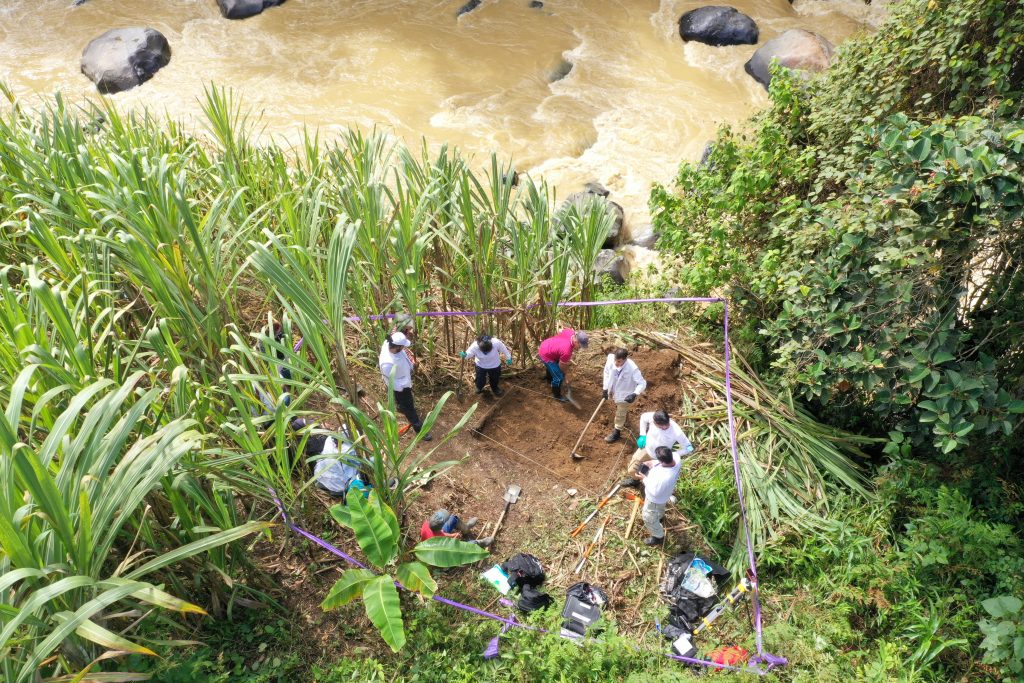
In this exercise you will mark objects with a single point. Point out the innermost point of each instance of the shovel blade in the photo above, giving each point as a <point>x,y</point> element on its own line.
<point>512,493</point>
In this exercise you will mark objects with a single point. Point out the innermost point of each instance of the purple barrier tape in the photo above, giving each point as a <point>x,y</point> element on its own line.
<point>510,622</point>
<point>755,593</point>
<point>530,307</point>
<point>316,539</point>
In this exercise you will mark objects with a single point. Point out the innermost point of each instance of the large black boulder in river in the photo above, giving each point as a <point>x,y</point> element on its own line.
<point>718,25</point>
<point>243,9</point>
<point>795,49</point>
<point>123,58</point>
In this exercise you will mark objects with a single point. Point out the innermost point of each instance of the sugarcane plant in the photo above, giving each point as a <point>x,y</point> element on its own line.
<point>376,529</point>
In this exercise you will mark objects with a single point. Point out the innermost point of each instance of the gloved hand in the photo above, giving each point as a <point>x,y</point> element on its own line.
<point>462,354</point>
<point>604,394</point>
<point>630,398</point>
<point>641,441</point>
<point>508,361</point>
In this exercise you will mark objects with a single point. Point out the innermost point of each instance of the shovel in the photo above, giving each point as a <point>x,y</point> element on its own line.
<point>511,496</point>
<point>567,394</point>
<point>573,453</point>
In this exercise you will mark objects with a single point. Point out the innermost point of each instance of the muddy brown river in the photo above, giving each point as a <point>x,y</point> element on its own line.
<point>636,101</point>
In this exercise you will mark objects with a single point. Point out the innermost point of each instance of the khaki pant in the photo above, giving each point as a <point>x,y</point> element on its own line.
<point>652,514</point>
<point>621,413</point>
<point>639,458</point>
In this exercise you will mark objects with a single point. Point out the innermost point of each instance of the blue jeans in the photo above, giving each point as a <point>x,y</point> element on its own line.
<point>557,376</point>
<point>451,526</point>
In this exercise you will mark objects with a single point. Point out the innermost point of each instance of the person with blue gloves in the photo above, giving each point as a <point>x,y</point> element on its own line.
<point>656,430</point>
<point>488,351</point>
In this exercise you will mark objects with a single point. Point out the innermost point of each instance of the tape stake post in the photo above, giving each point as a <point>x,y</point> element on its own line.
<point>769,660</point>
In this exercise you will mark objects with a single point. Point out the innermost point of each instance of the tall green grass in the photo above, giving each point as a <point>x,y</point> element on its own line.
<point>143,413</point>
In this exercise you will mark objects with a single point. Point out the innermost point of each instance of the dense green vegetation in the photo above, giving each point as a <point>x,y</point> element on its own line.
<point>143,415</point>
<point>867,227</point>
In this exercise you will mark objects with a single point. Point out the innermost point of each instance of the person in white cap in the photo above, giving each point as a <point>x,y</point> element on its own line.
<point>396,369</point>
<point>406,324</point>
<point>622,383</point>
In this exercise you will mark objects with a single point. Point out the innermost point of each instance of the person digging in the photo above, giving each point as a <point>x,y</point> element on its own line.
<point>396,369</point>
<point>556,355</point>
<point>622,383</point>
<point>659,480</point>
<point>656,429</point>
<point>487,352</point>
<point>444,523</point>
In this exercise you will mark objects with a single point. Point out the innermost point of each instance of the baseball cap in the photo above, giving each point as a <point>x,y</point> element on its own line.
<point>399,339</point>
<point>583,339</point>
<point>438,519</point>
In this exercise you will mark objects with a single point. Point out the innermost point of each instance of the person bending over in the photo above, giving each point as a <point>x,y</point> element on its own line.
<point>556,355</point>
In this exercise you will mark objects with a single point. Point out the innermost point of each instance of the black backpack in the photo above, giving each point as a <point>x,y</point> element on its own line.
<point>532,599</point>
<point>523,570</point>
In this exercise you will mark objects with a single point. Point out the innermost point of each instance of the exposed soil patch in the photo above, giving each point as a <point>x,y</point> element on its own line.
<point>525,437</point>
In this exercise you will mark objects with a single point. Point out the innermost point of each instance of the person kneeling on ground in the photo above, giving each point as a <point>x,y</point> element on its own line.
<point>656,429</point>
<point>444,523</point>
<point>622,383</point>
<point>659,481</point>
<point>487,351</point>
<point>556,355</point>
<point>332,474</point>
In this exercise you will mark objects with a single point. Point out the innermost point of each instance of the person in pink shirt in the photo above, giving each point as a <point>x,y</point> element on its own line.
<point>556,355</point>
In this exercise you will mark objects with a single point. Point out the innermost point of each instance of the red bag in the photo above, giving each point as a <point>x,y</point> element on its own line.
<point>728,654</point>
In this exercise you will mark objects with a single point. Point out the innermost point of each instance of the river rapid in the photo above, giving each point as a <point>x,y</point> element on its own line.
<point>636,101</point>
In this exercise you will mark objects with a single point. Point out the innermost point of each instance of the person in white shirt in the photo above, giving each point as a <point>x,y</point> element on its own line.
<point>659,481</point>
<point>488,351</point>
<point>622,383</point>
<point>396,369</point>
<point>656,429</point>
<point>333,474</point>
<point>404,323</point>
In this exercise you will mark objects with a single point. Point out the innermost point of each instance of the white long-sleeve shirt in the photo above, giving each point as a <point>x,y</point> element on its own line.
<point>656,436</point>
<point>490,360</point>
<point>402,366</point>
<point>621,382</point>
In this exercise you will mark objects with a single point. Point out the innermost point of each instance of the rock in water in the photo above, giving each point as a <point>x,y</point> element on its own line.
<point>611,264</point>
<point>644,237</point>
<point>536,4</point>
<point>560,71</point>
<point>123,58</point>
<point>718,25</point>
<point>580,198</point>
<point>243,9</point>
<point>795,49</point>
<point>468,7</point>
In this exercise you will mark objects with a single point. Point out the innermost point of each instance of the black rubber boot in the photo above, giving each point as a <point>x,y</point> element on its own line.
<point>613,437</point>
<point>557,393</point>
